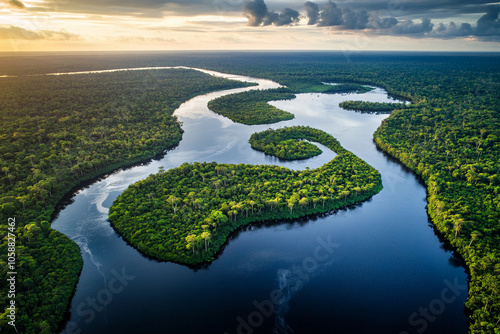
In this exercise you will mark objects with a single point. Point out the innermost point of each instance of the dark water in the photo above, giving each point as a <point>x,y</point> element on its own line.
<point>375,268</point>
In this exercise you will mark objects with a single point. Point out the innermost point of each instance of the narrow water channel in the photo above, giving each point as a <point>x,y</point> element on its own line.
<point>381,269</point>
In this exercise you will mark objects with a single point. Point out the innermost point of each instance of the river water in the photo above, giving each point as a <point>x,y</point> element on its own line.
<point>374,268</point>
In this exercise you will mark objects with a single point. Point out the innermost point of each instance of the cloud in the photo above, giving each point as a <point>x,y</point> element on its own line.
<point>331,15</point>
<point>14,32</point>
<point>487,28</point>
<point>382,22</point>
<point>15,4</point>
<point>256,11</point>
<point>258,14</point>
<point>312,10</point>
<point>372,21</point>
<point>488,24</point>
<point>452,30</point>
<point>143,8</point>
<point>287,17</point>
<point>355,19</point>
<point>343,18</point>
<point>408,27</point>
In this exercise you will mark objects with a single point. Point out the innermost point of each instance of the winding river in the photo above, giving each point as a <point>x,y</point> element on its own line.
<point>374,268</point>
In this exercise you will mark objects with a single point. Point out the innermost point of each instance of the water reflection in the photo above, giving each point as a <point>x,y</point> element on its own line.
<point>387,265</point>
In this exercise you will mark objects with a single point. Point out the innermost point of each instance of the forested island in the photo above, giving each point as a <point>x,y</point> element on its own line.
<point>58,131</point>
<point>185,214</point>
<point>284,143</point>
<point>450,137</point>
<point>251,107</point>
<point>378,107</point>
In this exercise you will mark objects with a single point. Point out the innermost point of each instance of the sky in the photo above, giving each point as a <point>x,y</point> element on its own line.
<point>346,25</point>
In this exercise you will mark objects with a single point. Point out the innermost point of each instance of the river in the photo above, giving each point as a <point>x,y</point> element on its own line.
<point>374,268</point>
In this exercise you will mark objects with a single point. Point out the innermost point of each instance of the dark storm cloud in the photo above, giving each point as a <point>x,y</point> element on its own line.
<point>419,8</point>
<point>452,30</point>
<point>287,17</point>
<point>408,27</point>
<point>345,18</point>
<point>381,22</point>
<point>354,19</point>
<point>258,14</point>
<point>256,11</point>
<point>489,25</point>
<point>312,10</point>
<point>331,15</point>
<point>156,8</point>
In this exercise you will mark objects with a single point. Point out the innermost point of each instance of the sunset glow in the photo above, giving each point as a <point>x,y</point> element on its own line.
<point>48,25</point>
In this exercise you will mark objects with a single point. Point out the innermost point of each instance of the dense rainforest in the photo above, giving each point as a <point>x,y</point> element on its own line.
<point>185,214</point>
<point>450,137</point>
<point>57,131</point>
<point>284,143</point>
<point>251,107</point>
<point>453,122</point>
<point>379,107</point>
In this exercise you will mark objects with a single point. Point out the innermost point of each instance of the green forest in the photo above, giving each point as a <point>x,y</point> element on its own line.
<point>379,107</point>
<point>457,154</point>
<point>284,143</point>
<point>454,121</point>
<point>185,214</point>
<point>57,131</point>
<point>450,137</point>
<point>341,88</point>
<point>251,107</point>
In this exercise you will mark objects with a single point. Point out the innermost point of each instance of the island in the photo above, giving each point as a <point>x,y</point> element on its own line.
<point>186,214</point>
<point>285,143</point>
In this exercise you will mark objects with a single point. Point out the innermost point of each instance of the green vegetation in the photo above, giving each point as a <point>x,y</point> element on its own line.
<point>57,131</point>
<point>251,107</point>
<point>336,88</point>
<point>457,153</point>
<point>363,106</point>
<point>186,214</point>
<point>284,143</point>
<point>450,95</point>
<point>450,137</point>
<point>48,266</point>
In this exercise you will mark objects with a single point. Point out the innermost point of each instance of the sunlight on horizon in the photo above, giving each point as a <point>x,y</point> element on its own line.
<point>41,25</point>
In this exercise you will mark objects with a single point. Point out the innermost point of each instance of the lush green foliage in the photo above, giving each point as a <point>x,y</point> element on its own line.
<point>48,266</point>
<point>462,85</point>
<point>284,143</point>
<point>251,107</point>
<point>186,214</point>
<point>456,151</point>
<point>363,106</point>
<point>450,137</point>
<point>338,88</point>
<point>57,131</point>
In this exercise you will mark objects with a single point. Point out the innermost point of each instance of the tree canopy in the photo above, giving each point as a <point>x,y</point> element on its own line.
<point>185,214</point>
<point>379,107</point>
<point>285,143</point>
<point>251,107</point>
<point>57,131</point>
